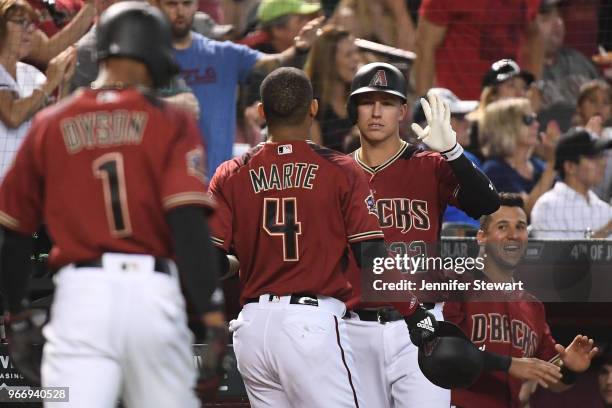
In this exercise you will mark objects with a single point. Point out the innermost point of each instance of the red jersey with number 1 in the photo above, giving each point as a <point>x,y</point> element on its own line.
<point>101,169</point>
<point>289,211</point>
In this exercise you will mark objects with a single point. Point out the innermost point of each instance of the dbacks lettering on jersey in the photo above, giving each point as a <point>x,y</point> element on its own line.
<point>498,328</point>
<point>103,129</point>
<point>401,213</point>
<point>292,175</point>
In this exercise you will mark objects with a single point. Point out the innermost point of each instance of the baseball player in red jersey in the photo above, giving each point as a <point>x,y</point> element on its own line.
<point>515,326</point>
<point>410,191</point>
<point>117,175</point>
<point>289,210</point>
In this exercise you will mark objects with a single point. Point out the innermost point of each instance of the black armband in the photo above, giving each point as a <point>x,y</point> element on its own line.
<point>197,260</point>
<point>366,251</point>
<point>495,362</point>
<point>477,196</point>
<point>569,376</point>
<point>15,253</point>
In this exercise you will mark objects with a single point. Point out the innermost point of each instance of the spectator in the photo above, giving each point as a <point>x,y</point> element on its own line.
<point>213,69</point>
<point>457,40</point>
<point>594,100</point>
<point>331,64</point>
<point>386,21</point>
<point>595,113</point>
<point>23,88</point>
<point>571,209</point>
<point>565,69</point>
<point>504,79</point>
<point>280,22</point>
<point>510,130</point>
<point>44,48</point>
<point>177,93</point>
<point>513,323</point>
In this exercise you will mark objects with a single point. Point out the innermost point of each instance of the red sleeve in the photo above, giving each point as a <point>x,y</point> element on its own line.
<point>546,348</point>
<point>221,221</point>
<point>22,189</point>
<point>448,187</point>
<point>184,174</point>
<point>360,223</point>
<point>437,11</point>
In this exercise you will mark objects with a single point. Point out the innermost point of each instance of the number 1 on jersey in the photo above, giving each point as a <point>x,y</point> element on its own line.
<point>282,221</point>
<point>109,168</point>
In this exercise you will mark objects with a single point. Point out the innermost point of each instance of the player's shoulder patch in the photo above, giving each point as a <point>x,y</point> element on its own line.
<point>196,164</point>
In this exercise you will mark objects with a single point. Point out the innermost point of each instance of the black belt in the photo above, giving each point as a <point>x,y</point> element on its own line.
<point>385,315</point>
<point>162,265</point>
<point>296,299</point>
<point>381,316</point>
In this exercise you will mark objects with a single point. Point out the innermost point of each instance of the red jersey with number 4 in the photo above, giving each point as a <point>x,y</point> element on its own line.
<point>289,210</point>
<point>101,169</point>
<point>410,192</point>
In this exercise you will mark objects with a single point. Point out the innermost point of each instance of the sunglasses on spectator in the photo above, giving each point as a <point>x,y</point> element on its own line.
<point>24,23</point>
<point>529,119</point>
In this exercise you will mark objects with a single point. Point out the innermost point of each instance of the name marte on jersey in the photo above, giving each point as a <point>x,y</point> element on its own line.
<point>402,213</point>
<point>289,175</point>
<point>103,129</point>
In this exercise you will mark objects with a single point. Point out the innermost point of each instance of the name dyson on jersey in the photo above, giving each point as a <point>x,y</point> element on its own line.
<point>103,129</point>
<point>289,175</point>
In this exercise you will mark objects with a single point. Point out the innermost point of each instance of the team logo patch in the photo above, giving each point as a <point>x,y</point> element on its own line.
<point>371,205</point>
<point>285,149</point>
<point>196,163</point>
<point>379,79</point>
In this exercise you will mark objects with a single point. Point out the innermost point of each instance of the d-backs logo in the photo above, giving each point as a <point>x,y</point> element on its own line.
<point>401,213</point>
<point>371,205</point>
<point>379,79</point>
<point>196,164</point>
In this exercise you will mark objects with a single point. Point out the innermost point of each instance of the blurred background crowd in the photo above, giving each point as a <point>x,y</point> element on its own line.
<point>527,81</point>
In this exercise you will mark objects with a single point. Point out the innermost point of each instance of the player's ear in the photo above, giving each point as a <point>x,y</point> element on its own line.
<point>481,237</point>
<point>314,107</point>
<point>260,111</point>
<point>403,111</point>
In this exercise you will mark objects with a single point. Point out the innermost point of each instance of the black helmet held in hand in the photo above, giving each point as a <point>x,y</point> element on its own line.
<point>376,77</point>
<point>137,30</point>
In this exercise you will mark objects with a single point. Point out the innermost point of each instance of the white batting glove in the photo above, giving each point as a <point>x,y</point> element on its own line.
<point>438,134</point>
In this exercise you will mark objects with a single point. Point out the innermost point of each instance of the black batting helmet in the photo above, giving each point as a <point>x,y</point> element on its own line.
<point>375,77</point>
<point>451,360</point>
<point>137,30</point>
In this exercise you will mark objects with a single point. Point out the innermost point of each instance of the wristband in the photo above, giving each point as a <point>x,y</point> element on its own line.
<point>495,362</point>
<point>569,376</point>
<point>453,153</point>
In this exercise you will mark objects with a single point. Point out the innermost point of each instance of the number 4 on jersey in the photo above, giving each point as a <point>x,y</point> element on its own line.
<point>281,220</point>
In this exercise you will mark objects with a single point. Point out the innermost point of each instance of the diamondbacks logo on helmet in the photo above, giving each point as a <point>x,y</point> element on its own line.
<point>379,79</point>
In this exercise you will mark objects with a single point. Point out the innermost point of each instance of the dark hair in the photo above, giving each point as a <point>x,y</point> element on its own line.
<point>286,94</point>
<point>604,356</point>
<point>505,200</point>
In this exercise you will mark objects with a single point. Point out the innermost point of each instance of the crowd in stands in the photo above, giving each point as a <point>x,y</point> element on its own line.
<point>515,88</point>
